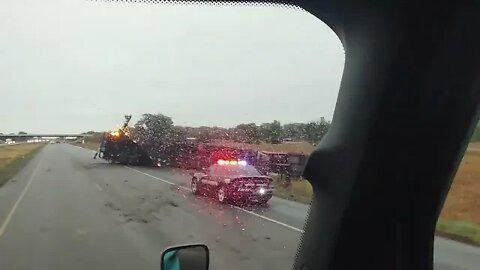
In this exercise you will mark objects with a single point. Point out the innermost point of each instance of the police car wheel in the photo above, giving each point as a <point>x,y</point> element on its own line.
<point>263,203</point>
<point>194,186</point>
<point>221,195</point>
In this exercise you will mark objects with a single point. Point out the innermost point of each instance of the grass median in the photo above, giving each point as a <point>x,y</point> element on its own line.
<point>459,230</point>
<point>298,190</point>
<point>14,157</point>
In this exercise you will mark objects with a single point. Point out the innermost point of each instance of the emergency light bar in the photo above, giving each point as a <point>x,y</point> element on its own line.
<point>232,162</point>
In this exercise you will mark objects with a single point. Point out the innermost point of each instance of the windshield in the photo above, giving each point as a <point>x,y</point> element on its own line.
<point>112,110</point>
<point>136,100</point>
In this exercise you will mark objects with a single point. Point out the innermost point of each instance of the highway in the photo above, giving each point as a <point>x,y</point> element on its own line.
<point>65,210</point>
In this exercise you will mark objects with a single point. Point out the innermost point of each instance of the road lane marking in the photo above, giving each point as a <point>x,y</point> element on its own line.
<point>168,182</point>
<point>14,208</point>
<point>236,207</point>
<point>269,219</point>
<point>98,187</point>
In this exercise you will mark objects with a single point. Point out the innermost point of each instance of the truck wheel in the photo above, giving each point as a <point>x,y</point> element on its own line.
<point>221,195</point>
<point>194,186</point>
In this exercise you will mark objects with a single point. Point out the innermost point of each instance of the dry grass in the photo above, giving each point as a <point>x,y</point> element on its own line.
<point>460,216</point>
<point>463,201</point>
<point>14,157</point>
<point>474,146</point>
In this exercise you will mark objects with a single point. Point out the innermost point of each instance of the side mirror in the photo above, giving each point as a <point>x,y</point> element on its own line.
<point>189,257</point>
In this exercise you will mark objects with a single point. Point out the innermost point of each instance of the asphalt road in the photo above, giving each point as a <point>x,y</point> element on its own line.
<point>65,210</point>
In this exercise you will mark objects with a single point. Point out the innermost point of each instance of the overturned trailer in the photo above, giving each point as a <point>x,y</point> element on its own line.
<point>119,147</point>
<point>157,148</point>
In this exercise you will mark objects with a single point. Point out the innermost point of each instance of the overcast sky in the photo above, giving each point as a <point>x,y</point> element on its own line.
<point>74,65</point>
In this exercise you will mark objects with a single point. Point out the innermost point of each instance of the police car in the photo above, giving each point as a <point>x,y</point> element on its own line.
<point>233,181</point>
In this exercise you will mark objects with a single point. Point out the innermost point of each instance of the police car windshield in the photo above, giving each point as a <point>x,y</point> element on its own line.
<point>235,170</point>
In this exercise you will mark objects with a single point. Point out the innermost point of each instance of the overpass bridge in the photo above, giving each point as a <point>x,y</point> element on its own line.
<point>43,136</point>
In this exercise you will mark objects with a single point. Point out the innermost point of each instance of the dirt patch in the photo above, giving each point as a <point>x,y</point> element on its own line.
<point>137,215</point>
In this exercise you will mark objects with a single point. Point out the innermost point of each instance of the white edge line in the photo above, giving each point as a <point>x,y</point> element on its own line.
<point>269,219</point>
<point>236,207</point>
<point>14,208</point>
<point>168,182</point>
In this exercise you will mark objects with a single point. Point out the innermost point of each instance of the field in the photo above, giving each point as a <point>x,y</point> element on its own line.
<point>460,217</point>
<point>463,201</point>
<point>14,157</point>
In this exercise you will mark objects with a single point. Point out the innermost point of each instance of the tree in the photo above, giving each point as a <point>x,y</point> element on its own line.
<point>204,134</point>
<point>271,132</point>
<point>250,133</point>
<point>154,125</point>
<point>157,133</point>
<point>294,131</point>
<point>315,130</point>
<point>22,133</point>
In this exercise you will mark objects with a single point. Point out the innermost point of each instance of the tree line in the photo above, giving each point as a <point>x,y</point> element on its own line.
<point>162,126</point>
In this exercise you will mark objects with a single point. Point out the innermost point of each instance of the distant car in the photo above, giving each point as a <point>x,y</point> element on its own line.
<point>233,181</point>
<point>52,142</point>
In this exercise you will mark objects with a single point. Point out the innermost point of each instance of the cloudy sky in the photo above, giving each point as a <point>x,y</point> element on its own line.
<point>74,65</point>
